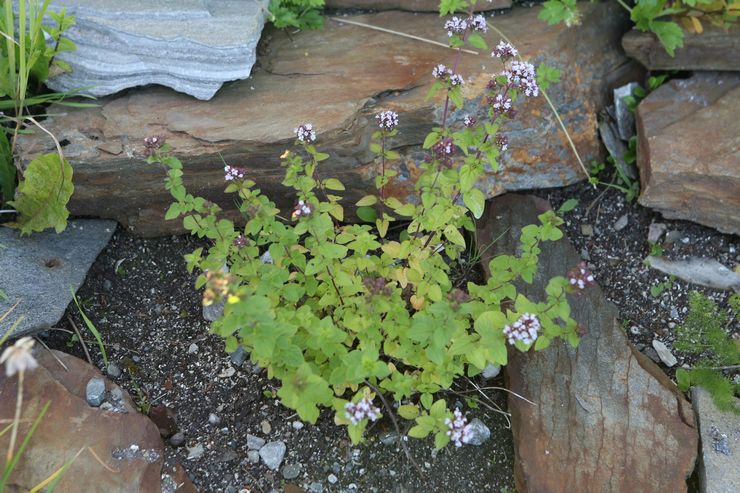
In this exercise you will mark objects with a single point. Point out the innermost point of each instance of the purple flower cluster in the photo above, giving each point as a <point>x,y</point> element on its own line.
<point>356,412</point>
<point>501,104</point>
<point>521,75</point>
<point>580,278</point>
<point>470,121</point>
<point>301,209</point>
<point>525,329</point>
<point>459,430</point>
<point>387,120</point>
<point>478,23</point>
<point>232,173</point>
<point>240,241</point>
<point>151,144</point>
<point>502,141</point>
<point>504,51</point>
<point>456,26</point>
<point>305,133</point>
<point>443,73</point>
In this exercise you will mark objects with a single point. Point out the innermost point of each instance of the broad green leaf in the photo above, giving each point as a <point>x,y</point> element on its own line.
<point>42,195</point>
<point>333,184</point>
<point>475,202</point>
<point>367,200</point>
<point>367,214</point>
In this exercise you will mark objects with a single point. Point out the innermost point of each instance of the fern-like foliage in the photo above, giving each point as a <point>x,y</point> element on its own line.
<point>704,334</point>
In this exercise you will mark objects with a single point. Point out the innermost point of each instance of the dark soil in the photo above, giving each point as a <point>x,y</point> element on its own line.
<point>142,299</point>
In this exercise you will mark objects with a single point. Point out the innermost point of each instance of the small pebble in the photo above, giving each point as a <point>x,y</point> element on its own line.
<point>479,432</point>
<point>332,479</point>
<point>254,442</point>
<point>635,330</point>
<point>116,394</point>
<point>298,425</point>
<point>193,349</point>
<point>621,223</point>
<point>113,370</point>
<point>213,419</point>
<point>95,391</point>
<point>587,230</point>
<point>195,451</point>
<point>265,426</point>
<point>253,456</point>
<point>238,357</point>
<point>178,439</point>
<point>291,471</point>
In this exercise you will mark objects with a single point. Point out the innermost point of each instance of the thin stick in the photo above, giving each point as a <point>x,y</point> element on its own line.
<point>397,33</point>
<point>498,388</point>
<point>52,353</point>
<point>79,336</point>
<point>552,107</point>
<point>16,419</point>
<point>401,436</point>
<point>9,211</point>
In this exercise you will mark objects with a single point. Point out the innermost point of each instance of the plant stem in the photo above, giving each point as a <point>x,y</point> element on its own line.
<point>401,436</point>
<point>16,419</point>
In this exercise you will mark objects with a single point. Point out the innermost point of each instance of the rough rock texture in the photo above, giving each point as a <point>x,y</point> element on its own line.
<point>192,46</point>
<point>39,270</point>
<point>605,418</point>
<point>337,78</point>
<point>719,464</point>
<point>688,152</point>
<point>70,424</point>
<point>714,49</point>
<point>410,5</point>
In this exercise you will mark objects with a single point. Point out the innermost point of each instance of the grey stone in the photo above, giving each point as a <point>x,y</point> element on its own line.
<point>665,354</point>
<point>315,487</point>
<point>214,419</point>
<point>615,147</point>
<point>719,467</point>
<point>656,232</point>
<point>272,454</point>
<point>622,222</point>
<point>491,371</point>
<point>213,312</point>
<point>297,425</point>
<point>95,391</point>
<point>239,356</point>
<point>332,479</point>
<point>291,471</point>
<point>116,394</point>
<point>479,432</point>
<point>625,118</point>
<point>40,269</point>
<point>389,438</point>
<point>193,348</point>
<point>192,46</point>
<point>254,442</point>
<point>113,370</point>
<point>178,439</point>
<point>253,456</point>
<point>587,230</point>
<point>703,271</point>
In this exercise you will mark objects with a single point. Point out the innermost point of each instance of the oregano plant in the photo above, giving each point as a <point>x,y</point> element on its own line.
<point>344,313</point>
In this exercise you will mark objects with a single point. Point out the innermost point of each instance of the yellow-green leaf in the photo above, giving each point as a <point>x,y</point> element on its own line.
<point>367,200</point>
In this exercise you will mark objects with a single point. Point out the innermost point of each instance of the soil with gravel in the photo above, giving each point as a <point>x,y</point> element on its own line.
<point>142,299</point>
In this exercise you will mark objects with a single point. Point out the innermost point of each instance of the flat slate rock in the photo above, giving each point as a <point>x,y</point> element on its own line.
<point>411,5</point>
<point>128,444</point>
<point>192,46</point>
<point>40,271</point>
<point>605,417</point>
<point>714,49</point>
<point>338,78</point>
<point>688,150</point>
<point>719,464</point>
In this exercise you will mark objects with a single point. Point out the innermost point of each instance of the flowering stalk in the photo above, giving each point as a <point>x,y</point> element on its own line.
<point>17,359</point>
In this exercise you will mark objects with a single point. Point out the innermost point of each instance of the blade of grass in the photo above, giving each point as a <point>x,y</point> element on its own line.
<point>91,327</point>
<point>56,476</point>
<point>17,455</point>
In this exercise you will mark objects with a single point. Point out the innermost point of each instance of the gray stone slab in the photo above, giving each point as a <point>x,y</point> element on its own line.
<point>192,46</point>
<point>719,467</point>
<point>40,270</point>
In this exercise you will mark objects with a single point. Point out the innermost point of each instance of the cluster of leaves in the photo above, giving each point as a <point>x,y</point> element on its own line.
<point>28,54</point>
<point>300,14</point>
<point>704,335</point>
<point>340,312</point>
<point>656,16</point>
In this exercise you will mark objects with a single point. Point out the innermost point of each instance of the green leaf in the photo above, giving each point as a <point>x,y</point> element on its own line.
<point>7,170</point>
<point>331,250</point>
<point>683,380</point>
<point>408,411</point>
<point>475,202</point>
<point>367,200</point>
<point>333,184</point>
<point>454,235</point>
<point>42,195</point>
<point>419,431</point>
<point>367,214</point>
<point>477,41</point>
<point>451,6</point>
<point>441,439</point>
<point>568,206</point>
<point>669,34</point>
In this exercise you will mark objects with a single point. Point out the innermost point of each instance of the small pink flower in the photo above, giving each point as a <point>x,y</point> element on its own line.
<point>302,209</point>
<point>580,278</point>
<point>387,120</point>
<point>232,173</point>
<point>459,430</point>
<point>356,412</point>
<point>305,133</point>
<point>456,26</point>
<point>525,329</point>
<point>504,51</point>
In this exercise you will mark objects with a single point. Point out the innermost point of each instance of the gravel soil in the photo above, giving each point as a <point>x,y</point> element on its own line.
<point>142,299</point>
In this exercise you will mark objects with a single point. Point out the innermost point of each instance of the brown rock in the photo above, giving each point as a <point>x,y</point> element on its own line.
<point>688,150</point>
<point>714,49</point>
<point>410,5</point>
<point>338,79</point>
<point>165,419</point>
<point>70,425</point>
<point>605,418</point>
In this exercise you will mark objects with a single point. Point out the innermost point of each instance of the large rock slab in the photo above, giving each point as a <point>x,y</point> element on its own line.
<point>605,417</point>
<point>122,452</point>
<point>337,79</point>
<point>39,271</point>
<point>410,5</point>
<point>714,49</point>
<point>719,464</point>
<point>192,46</point>
<point>688,150</point>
